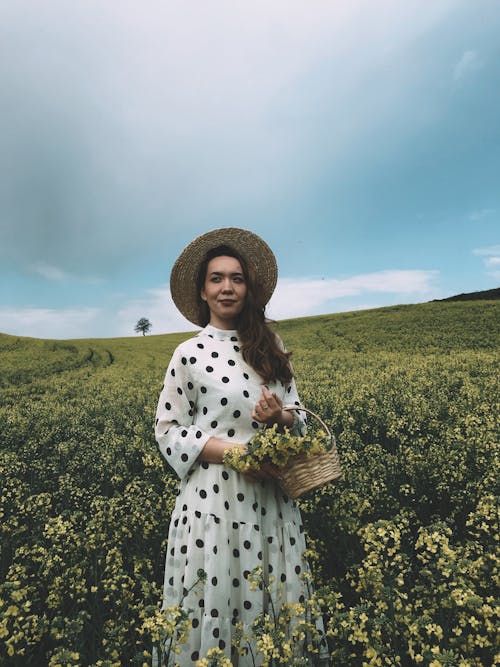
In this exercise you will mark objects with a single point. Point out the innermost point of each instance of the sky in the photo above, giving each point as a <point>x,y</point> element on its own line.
<point>360,139</point>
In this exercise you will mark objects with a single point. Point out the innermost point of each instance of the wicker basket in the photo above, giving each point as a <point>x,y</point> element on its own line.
<point>307,473</point>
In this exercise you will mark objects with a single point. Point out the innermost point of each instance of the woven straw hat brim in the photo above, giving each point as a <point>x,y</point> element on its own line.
<point>251,247</point>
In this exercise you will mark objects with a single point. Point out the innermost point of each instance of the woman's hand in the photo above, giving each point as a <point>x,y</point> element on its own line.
<point>213,451</point>
<point>269,410</point>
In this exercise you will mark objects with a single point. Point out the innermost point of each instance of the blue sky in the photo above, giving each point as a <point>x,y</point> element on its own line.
<point>361,140</point>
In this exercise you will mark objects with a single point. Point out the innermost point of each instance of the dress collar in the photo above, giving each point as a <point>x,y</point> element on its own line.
<point>220,334</point>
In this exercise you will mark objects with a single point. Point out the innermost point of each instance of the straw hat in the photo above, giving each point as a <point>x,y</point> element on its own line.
<point>251,247</point>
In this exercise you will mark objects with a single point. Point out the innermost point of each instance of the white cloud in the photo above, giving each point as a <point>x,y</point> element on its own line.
<point>48,271</point>
<point>158,307</point>
<point>106,322</point>
<point>480,214</point>
<point>299,298</point>
<point>491,260</point>
<point>54,273</point>
<point>51,322</point>
<point>467,65</point>
<point>293,298</point>
<point>489,251</point>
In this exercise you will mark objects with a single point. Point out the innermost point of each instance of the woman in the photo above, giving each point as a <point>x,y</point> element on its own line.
<point>221,387</point>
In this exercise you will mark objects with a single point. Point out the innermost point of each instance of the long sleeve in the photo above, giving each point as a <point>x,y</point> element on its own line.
<point>292,398</point>
<point>180,441</point>
<point>299,427</point>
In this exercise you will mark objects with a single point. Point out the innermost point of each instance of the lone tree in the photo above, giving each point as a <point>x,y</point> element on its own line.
<point>143,325</point>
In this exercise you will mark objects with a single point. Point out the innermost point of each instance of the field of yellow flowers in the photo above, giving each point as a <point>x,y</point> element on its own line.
<point>405,550</point>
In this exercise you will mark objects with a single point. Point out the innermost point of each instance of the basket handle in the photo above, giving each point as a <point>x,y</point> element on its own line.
<point>289,408</point>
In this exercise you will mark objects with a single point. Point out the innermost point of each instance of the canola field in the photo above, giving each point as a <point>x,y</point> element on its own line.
<point>404,550</point>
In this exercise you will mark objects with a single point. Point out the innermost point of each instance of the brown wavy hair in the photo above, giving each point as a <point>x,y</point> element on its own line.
<point>259,344</point>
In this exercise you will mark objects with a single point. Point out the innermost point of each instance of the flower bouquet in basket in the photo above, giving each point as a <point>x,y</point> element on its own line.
<point>306,462</point>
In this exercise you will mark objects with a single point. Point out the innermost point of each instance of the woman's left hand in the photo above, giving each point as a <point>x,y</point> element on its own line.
<point>268,409</point>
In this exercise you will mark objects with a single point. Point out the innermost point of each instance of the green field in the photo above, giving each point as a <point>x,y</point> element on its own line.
<point>405,550</point>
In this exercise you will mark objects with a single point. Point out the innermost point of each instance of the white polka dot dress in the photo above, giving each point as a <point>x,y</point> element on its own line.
<point>222,522</point>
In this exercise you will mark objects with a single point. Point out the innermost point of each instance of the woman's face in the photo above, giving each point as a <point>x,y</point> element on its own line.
<point>224,291</point>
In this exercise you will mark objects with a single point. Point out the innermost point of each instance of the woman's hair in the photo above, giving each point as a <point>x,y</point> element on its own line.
<point>259,345</point>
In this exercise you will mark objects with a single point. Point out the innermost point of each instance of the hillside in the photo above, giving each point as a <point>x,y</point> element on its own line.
<point>426,328</point>
<point>490,294</point>
<point>404,549</point>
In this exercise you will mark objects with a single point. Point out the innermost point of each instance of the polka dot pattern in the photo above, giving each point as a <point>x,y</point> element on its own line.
<point>222,522</point>
<point>209,390</point>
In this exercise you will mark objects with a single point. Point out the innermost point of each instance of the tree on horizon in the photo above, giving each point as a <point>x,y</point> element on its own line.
<point>143,325</point>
